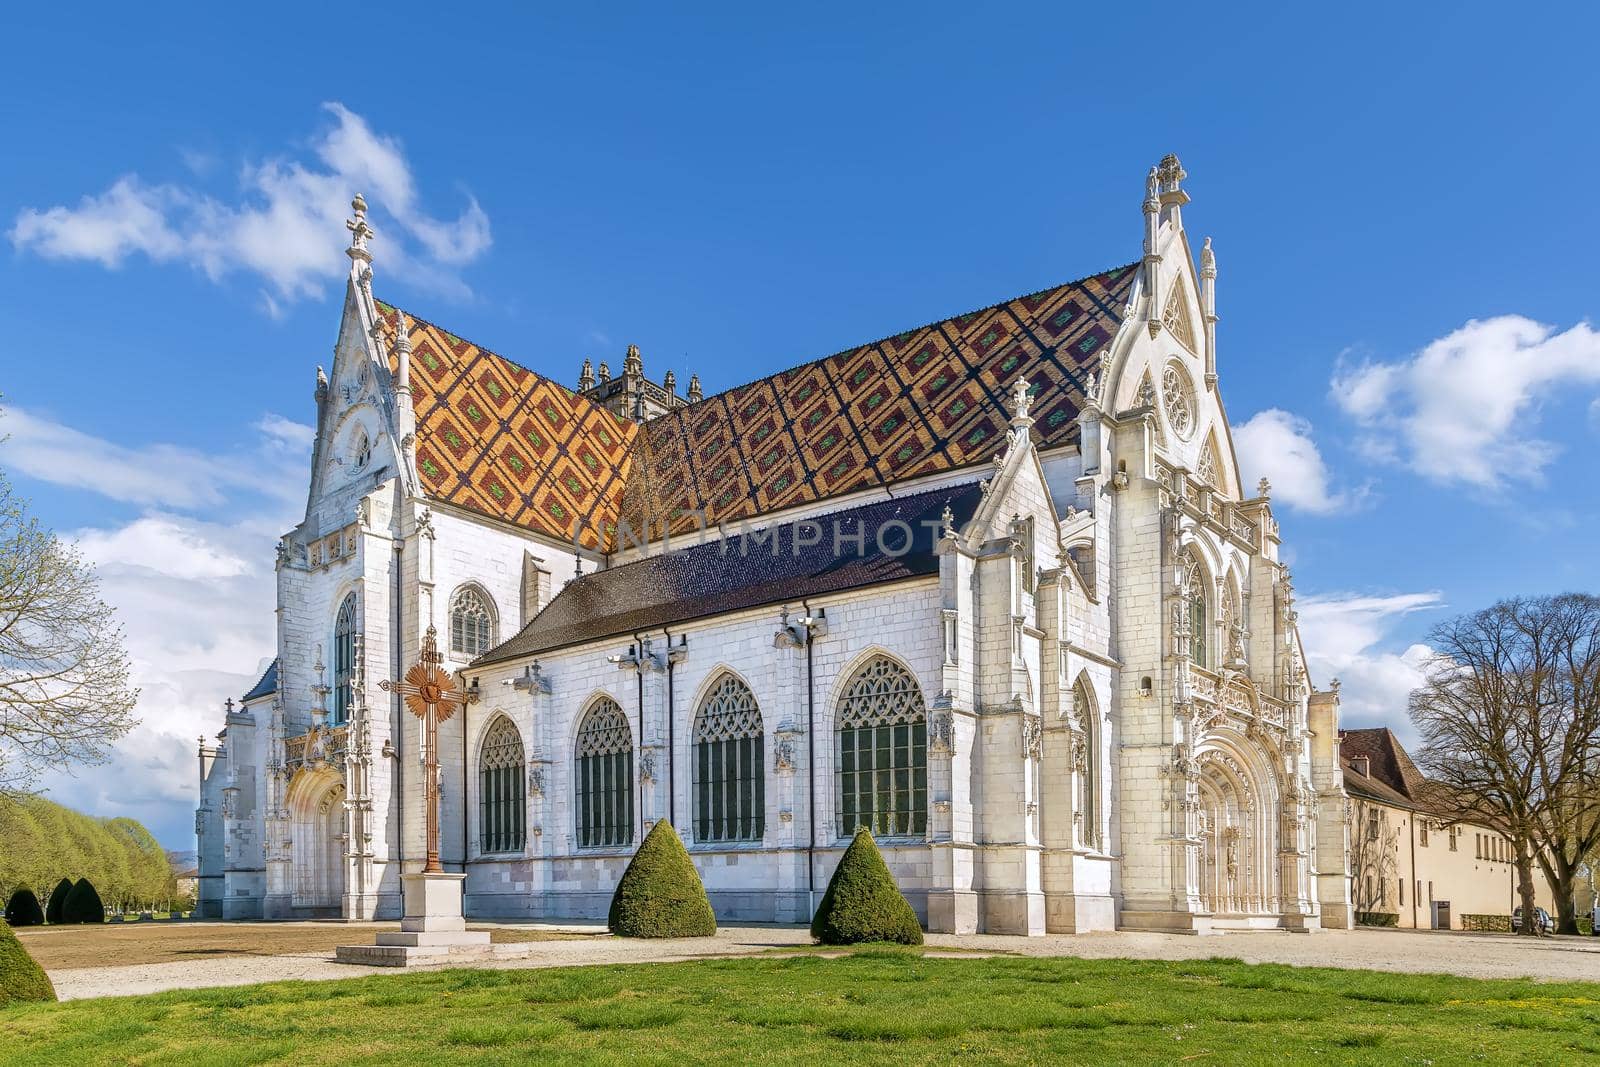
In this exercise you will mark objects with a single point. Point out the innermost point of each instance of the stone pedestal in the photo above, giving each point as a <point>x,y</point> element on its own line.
<point>433,930</point>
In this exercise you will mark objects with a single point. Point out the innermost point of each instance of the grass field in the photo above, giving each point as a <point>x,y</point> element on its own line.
<point>880,1006</point>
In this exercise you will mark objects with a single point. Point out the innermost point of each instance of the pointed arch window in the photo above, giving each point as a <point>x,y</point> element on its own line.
<point>1086,761</point>
<point>729,775</point>
<point>1197,629</point>
<point>344,660</point>
<point>1198,611</point>
<point>882,745</point>
<point>361,454</point>
<point>502,812</point>
<point>603,777</point>
<point>471,622</point>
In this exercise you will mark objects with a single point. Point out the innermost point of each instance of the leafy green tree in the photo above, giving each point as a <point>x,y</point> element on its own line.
<point>863,903</point>
<point>660,894</point>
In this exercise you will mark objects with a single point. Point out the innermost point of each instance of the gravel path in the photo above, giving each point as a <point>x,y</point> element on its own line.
<point>1470,955</point>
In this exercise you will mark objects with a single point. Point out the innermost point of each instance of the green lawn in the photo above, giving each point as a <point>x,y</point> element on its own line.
<point>873,1006</point>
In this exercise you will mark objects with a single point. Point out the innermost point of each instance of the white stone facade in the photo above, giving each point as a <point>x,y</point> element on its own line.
<point>1089,764</point>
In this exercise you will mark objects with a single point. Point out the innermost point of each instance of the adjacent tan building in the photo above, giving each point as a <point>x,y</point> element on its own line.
<point>1406,858</point>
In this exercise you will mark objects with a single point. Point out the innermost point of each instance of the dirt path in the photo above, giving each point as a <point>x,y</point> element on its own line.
<point>311,957</point>
<point>65,948</point>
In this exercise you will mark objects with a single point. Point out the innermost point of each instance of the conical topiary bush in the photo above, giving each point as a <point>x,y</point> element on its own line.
<point>58,900</point>
<point>862,902</point>
<point>23,909</point>
<point>21,977</point>
<point>660,895</point>
<point>83,904</point>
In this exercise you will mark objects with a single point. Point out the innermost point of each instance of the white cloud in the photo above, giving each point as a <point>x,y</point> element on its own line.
<point>194,596</point>
<point>1277,445</point>
<point>287,227</point>
<point>1347,636</point>
<point>159,475</point>
<point>1463,410</point>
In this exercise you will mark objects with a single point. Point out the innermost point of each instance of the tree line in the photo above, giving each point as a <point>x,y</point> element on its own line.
<point>42,842</point>
<point>1509,715</point>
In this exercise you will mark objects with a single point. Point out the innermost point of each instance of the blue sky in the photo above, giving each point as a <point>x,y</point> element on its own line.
<point>736,190</point>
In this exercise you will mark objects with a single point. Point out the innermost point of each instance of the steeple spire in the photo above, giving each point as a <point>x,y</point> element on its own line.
<point>1208,309</point>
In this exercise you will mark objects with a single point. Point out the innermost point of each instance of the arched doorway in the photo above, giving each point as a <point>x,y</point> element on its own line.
<point>1238,834</point>
<point>317,839</point>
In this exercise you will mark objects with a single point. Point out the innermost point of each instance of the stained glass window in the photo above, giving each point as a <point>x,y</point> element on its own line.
<point>883,752</point>
<point>344,660</point>
<point>604,777</point>
<point>502,813</point>
<point>729,779</point>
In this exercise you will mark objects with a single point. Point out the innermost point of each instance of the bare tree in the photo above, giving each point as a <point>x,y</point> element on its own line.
<point>64,688</point>
<point>1510,721</point>
<point>1374,857</point>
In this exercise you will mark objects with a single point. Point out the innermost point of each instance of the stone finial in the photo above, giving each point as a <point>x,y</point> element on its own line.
<point>1020,403</point>
<point>586,376</point>
<point>947,522</point>
<point>1152,192</point>
<point>670,383</point>
<point>228,705</point>
<point>360,232</point>
<point>1263,488</point>
<point>1208,261</point>
<point>694,389</point>
<point>605,371</point>
<point>322,382</point>
<point>631,363</point>
<point>1171,174</point>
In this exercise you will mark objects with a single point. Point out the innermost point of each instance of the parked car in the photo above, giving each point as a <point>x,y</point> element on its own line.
<point>1541,919</point>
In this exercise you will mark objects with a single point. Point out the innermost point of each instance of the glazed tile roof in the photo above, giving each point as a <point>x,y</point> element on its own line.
<point>921,402</point>
<point>507,442</point>
<point>715,578</point>
<point>499,439</point>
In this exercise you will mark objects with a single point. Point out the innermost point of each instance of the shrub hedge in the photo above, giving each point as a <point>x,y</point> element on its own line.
<point>1498,924</point>
<point>660,894</point>
<point>21,977</point>
<point>23,909</point>
<point>58,900</point>
<point>1377,918</point>
<point>863,903</point>
<point>83,904</point>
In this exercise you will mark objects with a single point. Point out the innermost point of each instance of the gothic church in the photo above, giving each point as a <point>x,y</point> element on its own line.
<point>991,587</point>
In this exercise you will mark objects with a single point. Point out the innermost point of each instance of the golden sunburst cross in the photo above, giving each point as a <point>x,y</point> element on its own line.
<point>431,695</point>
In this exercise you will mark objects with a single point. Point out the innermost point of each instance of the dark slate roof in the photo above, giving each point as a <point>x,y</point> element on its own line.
<point>716,578</point>
<point>268,683</point>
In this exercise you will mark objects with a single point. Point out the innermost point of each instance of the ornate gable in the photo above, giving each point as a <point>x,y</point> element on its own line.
<point>1175,317</point>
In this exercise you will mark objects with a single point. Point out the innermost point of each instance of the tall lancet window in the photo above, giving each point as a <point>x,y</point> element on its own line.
<point>471,622</point>
<point>1197,628</point>
<point>344,660</point>
<point>729,785</point>
<point>883,752</point>
<point>501,810</point>
<point>603,776</point>
<point>1086,761</point>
